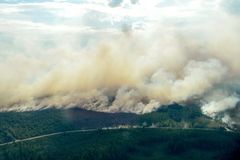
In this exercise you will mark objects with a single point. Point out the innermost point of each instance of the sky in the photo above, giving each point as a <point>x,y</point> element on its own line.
<point>48,19</point>
<point>120,55</point>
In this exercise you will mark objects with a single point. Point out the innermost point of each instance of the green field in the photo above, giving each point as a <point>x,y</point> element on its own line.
<point>155,144</point>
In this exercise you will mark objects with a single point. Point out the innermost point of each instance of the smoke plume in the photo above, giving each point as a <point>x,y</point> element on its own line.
<point>123,74</point>
<point>137,71</point>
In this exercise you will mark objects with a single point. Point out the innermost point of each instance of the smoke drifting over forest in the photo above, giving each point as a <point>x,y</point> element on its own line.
<point>131,71</point>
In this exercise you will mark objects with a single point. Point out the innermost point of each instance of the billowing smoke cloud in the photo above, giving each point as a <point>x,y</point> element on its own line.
<point>213,108</point>
<point>123,74</point>
<point>137,71</point>
<point>223,105</point>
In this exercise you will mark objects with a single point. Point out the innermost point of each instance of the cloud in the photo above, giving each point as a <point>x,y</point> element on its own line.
<point>23,1</point>
<point>115,3</point>
<point>232,6</point>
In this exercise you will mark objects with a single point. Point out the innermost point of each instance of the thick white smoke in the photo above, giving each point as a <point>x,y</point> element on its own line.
<point>214,107</point>
<point>137,71</point>
<point>123,74</point>
<point>220,104</point>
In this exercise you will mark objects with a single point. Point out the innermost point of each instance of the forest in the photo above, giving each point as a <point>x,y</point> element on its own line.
<point>145,143</point>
